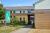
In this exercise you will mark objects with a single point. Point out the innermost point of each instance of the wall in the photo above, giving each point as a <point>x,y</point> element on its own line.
<point>18,16</point>
<point>42,19</point>
<point>44,4</point>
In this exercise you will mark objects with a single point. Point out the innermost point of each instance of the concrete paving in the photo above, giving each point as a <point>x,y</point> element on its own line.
<point>28,29</point>
<point>39,31</point>
<point>23,30</point>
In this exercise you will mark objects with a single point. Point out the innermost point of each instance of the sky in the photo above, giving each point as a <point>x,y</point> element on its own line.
<point>18,2</point>
<point>42,5</point>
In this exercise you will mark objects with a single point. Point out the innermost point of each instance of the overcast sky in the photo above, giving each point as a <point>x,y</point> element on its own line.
<point>18,2</point>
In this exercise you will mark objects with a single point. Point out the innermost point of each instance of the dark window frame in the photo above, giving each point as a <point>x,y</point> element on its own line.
<point>20,11</point>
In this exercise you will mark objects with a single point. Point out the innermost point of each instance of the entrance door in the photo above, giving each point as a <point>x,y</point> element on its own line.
<point>31,20</point>
<point>7,16</point>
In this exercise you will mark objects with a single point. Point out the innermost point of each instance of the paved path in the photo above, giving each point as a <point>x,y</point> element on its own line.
<point>22,30</point>
<point>39,31</point>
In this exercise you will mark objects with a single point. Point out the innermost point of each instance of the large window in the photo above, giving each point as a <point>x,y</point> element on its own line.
<point>17,11</point>
<point>30,10</point>
<point>21,11</point>
<point>25,11</point>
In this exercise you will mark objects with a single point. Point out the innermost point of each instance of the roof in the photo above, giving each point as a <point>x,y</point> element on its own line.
<point>19,7</point>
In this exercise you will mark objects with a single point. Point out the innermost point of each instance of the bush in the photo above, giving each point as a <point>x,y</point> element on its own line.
<point>17,22</point>
<point>0,24</point>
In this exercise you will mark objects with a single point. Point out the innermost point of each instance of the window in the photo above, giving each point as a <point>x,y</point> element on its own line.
<point>26,11</point>
<point>20,11</point>
<point>20,19</point>
<point>23,11</point>
<point>17,11</point>
<point>29,11</point>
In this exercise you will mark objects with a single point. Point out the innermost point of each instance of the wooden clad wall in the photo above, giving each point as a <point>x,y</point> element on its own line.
<point>42,20</point>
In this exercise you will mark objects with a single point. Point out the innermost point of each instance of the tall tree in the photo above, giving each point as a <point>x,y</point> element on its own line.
<point>1,12</point>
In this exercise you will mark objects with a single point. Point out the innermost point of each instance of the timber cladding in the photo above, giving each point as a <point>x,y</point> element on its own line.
<point>42,20</point>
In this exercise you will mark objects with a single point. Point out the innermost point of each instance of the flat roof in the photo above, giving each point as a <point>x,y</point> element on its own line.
<point>19,7</point>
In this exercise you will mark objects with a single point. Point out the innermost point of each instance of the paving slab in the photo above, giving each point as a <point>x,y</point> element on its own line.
<point>22,30</point>
<point>39,31</point>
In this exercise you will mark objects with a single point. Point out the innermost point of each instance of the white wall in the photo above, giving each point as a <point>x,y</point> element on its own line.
<point>43,5</point>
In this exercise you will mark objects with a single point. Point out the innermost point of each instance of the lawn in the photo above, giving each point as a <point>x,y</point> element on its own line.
<point>8,29</point>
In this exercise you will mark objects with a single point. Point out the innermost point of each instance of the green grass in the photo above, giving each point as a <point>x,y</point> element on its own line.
<point>9,29</point>
<point>6,29</point>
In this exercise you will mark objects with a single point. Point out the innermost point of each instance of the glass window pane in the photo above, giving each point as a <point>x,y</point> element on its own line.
<point>17,11</point>
<point>26,11</point>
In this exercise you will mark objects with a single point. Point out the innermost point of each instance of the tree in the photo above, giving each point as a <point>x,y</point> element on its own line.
<point>2,12</point>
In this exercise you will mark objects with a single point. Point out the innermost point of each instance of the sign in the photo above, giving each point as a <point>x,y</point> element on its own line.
<point>7,16</point>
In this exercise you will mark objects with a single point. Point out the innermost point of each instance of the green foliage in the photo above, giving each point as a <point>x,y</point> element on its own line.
<point>15,22</point>
<point>2,12</point>
<point>0,24</point>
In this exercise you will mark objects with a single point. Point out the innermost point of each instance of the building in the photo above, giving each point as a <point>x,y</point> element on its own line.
<point>42,14</point>
<point>42,18</point>
<point>21,13</point>
<point>38,16</point>
<point>42,4</point>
